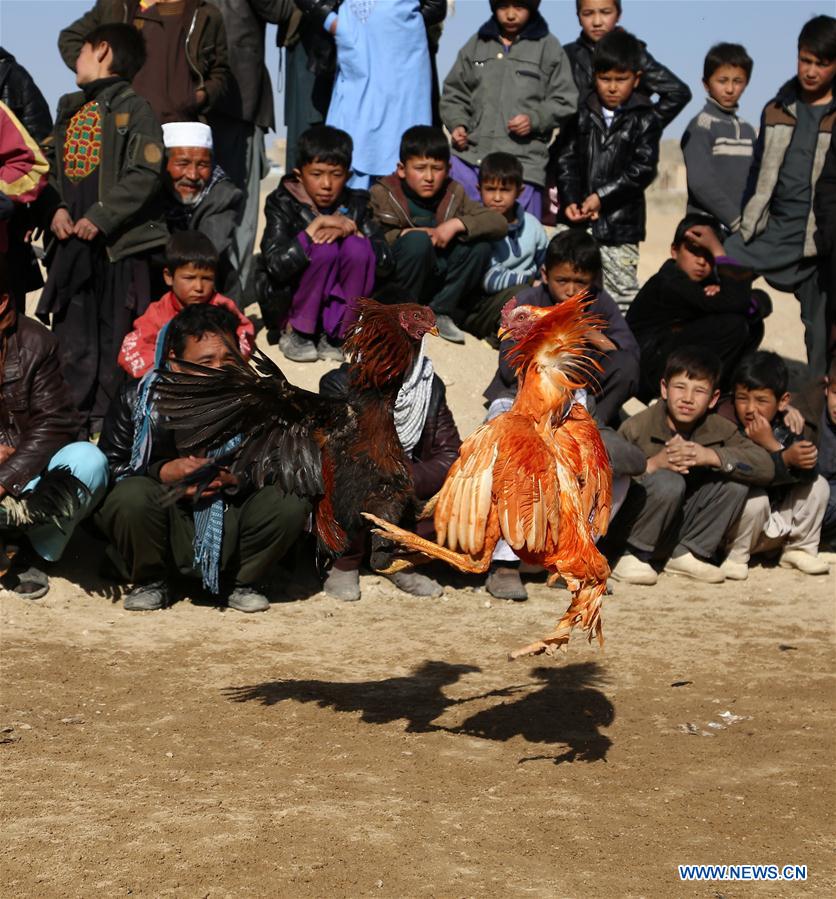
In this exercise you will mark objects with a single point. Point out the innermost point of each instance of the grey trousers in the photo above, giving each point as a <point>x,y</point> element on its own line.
<point>666,511</point>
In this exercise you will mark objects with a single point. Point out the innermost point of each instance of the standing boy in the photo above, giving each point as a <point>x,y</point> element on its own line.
<point>320,249</point>
<point>510,87</point>
<point>440,237</point>
<point>788,514</point>
<point>606,159</point>
<point>777,228</point>
<point>105,211</point>
<point>699,468</point>
<point>517,258</point>
<point>598,18</point>
<point>699,297</point>
<point>717,145</point>
<point>185,72</point>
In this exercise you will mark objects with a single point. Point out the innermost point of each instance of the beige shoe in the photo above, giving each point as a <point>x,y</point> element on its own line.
<point>632,570</point>
<point>690,566</point>
<point>803,561</point>
<point>734,571</point>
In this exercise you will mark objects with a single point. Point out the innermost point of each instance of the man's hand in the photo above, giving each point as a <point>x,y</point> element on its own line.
<point>600,341</point>
<point>574,214</point>
<point>6,452</point>
<point>520,125</point>
<point>706,238</point>
<point>759,431</point>
<point>200,98</point>
<point>458,137</point>
<point>711,290</point>
<point>447,231</point>
<point>591,207</point>
<point>85,229</point>
<point>802,454</point>
<point>62,225</point>
<point>177,469</point>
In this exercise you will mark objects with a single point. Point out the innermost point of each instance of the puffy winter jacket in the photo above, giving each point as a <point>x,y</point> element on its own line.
<point>618,163</point>
<point>20,93</point>
<point>674,95</point>
<point>488,85</point>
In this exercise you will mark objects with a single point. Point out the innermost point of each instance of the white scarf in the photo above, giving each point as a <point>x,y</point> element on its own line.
<point>413,403</point>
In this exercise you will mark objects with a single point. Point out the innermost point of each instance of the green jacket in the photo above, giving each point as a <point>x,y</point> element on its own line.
<point>129,210</point>
<point>488,85</point>
<point>206,48</point>
<point>741,459</point>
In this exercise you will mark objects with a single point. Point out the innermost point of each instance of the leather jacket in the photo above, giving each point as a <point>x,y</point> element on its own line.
<point>37,416</point>
<point>674,95</point>
<point>20,93</point>
<point>618,163</point>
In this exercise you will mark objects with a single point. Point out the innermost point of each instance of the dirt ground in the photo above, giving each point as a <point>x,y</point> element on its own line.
<point>387,748</point>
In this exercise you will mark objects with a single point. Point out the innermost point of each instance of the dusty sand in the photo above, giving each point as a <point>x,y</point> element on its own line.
<point>387,748</point>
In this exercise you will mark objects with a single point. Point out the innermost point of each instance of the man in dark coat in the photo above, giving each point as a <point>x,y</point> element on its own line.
<point>200,196</point>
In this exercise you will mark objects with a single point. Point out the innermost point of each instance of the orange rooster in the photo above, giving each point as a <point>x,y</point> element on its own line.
<point>538,475</point>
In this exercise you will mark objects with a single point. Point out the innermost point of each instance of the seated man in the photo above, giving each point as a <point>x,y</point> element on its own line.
<point>199,196</point>
<point>149,543</point>
<point>44,474</point>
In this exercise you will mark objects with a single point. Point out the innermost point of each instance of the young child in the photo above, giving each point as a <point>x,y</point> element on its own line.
<point>441,239</point>
<point>699,297</point>
<point>777,228</point>
<point>320,250</point>
<point>699,468</point>
<point>788,514</point>
<point>104,208</point>
<point>573,264</point>
<point>510,87</point>
<point>191,261</point>
<point>717,145</point>
<point>821,411</point>
<point>607,158</point>
<point>516,260</point>
<point>598,18</point>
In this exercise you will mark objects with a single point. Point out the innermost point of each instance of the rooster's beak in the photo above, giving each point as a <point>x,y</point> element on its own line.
<point>433,330</point>
<point>501,333</point>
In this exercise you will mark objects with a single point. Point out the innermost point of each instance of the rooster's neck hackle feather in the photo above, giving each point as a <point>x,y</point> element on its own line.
<point>384,351</point>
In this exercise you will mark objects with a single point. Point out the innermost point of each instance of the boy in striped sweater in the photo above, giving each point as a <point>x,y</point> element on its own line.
<point>717,144</point>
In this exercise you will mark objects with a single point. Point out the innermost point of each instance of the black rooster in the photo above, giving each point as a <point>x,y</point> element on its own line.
<point>343,454</point>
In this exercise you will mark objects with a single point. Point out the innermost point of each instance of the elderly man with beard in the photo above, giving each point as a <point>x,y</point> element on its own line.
<point>199,195</point>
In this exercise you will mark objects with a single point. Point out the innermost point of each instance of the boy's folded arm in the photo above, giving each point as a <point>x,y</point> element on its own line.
<point>697,151</point>
<point>283,253</point>
<point>479,222</point>
<point>136,186</point>
<point>674,94</point>
<point>745,461</point>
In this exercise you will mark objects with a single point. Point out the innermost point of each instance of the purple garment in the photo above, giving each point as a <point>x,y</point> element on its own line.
<point>531,198</point>
<point>338,273</point>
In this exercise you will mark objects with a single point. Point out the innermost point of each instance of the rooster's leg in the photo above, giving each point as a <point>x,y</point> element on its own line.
<point>404,563</point>
<point>428,507</point>
<point>477,564</point>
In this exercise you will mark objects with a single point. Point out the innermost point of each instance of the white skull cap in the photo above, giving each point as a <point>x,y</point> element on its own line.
<point>187,134</point>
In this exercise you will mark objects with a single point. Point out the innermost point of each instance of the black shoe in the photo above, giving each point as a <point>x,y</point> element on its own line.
<point>245,598</point>
<point>147,597</point>
<point>448,329</point>
<point>504,582</point>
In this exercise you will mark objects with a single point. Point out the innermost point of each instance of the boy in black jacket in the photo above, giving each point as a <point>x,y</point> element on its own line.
<point>699,297</point>
<point>320,251</point>
<point>598,18</point>
<point>788,514</point>
<point>607,158</point>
